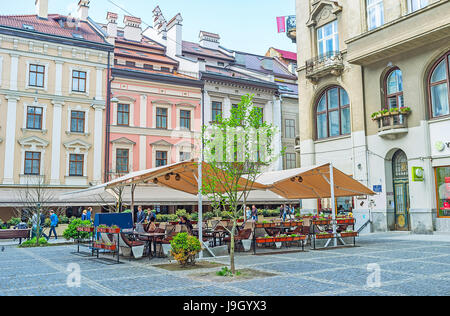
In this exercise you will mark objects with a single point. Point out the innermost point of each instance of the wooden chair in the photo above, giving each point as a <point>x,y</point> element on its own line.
<point>244,234</point>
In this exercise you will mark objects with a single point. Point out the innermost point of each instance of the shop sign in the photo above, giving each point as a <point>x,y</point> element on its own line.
<point>441,146</point>
<point>417,174</point>
<point>377,189</point>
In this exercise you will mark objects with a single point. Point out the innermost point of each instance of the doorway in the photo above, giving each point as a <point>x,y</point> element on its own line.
<point>400,178</point>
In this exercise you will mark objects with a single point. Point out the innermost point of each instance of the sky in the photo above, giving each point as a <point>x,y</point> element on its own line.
<point>244,25</point>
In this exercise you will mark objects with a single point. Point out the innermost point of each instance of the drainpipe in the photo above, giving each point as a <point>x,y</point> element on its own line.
<point>108,119</point>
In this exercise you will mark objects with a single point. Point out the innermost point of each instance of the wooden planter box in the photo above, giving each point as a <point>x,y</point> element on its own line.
<point>322,222</point>
<point>264,240</point>
<point>352,234</point>
<point>281,239</point>
<point>85,229</point>
<point>113,230</point>
<point>324,236</point>
<point>102,230</point>
<point>348,221</point>
<point>265,225</point>
<point>299,238</point>
<point>98,245</point>
<point>110,247</point>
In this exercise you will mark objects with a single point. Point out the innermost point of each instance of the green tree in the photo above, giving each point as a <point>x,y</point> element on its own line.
<point>236,148</point>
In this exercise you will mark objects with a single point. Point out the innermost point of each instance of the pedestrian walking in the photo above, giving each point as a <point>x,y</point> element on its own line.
<point>53,224</point>
<point>254,213</point>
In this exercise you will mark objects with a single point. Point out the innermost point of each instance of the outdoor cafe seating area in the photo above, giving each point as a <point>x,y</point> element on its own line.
<point>265,236</point>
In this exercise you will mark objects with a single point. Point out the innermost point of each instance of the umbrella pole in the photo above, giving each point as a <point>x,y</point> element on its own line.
<point>333,204</point>
<point>200,205</point>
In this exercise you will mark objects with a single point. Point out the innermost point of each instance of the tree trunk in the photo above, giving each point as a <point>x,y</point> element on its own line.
<point>232,266</point>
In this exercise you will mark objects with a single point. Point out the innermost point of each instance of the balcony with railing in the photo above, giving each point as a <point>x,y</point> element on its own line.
<point>426,26</point>
<point>291,28</point>
<point>330,63</point>
<point>392,124</point>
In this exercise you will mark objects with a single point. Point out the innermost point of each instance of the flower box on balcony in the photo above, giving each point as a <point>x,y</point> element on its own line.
<point>262,240</point>
<point>113,230</point>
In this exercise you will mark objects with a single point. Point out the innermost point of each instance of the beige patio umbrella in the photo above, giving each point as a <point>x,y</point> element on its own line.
<point>323,181</point>
<point>311,183</point>
<point>182,176</point>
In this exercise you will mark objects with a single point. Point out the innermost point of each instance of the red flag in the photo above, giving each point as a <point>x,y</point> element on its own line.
<point>281,23</point>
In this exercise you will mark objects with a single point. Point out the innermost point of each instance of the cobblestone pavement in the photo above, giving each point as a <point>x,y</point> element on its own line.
<point>409,266</point>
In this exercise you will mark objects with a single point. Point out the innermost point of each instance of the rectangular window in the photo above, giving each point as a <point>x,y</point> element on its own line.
<point>261,110</point>
<point>165,69</point>
<point>443,190</point>
<point>291,161</point>
<point>34,117</point>
<point>32,163</point>
<point>161,118</point>
<point>414,5</point>
<point>148,66</point>
<point>122,160</point>
<point>184,156</point>
<point>123,114</point>
<point>130,64</point>
<point>216,110</point>
<point>79,81</point>
<point>36,76</point>
<point>76,162</point>
<point>77,121</point>
<point>161,158</point>
<point>289,128</point>
<point>375,14</point>
<point>185,119</point>
<point>327,40</point>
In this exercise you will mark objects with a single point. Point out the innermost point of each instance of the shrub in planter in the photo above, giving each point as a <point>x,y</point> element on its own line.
<point>208,215</point>
<point>14,221</point>
<point>71,231</point>
<point>194,217</point>
<point>32,243</point>
<point>185,248</point>
<point>183,212</point>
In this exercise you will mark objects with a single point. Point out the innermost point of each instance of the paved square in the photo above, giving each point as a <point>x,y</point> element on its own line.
<point>409,266</point>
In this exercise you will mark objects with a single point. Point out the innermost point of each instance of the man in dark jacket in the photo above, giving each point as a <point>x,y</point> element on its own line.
<point>140,217</point>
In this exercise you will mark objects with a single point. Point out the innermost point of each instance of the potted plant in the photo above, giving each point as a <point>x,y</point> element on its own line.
<point>376,115</point>
<point>102,229</point>
<point>114,229</point>
<point>109,246</point>
<point>394,111</point>
<point>405,110</point>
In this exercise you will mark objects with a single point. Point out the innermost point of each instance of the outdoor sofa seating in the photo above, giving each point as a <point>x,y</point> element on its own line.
<point>129,247</point>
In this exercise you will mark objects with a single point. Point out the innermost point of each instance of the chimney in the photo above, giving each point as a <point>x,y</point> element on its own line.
<point>159,25</point>
<point>83,9</point>
<point>111,27</point>
<point>42,9</point>
<point>132,30</point>
<point>209,40</point>
<point>175,36</point>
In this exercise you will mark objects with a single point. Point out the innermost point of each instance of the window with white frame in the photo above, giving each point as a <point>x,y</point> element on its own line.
<point>291,161</point>
<point>32,163</point>
<point>375,14</point>
<point>414,5</point>
<point>328,39</point>
<point>184,156</point>
<point>289,131</point>
<point>76,165</point>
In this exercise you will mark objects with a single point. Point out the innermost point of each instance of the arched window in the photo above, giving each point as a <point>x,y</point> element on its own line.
<point>333,113</point>
<point>394,89</point>
<point>439,85</point>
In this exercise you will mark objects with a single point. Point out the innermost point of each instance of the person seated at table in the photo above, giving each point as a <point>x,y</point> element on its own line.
<point>187,223</point>
<point>151,227</point>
